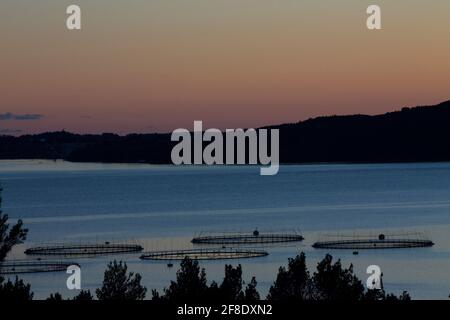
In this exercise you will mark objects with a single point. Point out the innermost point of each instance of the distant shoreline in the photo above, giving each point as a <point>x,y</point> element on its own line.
<point>220,165</point>
<point>412,135</point>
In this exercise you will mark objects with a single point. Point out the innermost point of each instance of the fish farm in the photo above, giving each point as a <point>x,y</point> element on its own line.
<point>27,266</point>
<point>254,237</point>
<point>381,241</point>
<point>83,249</point>
<point>203,254</point>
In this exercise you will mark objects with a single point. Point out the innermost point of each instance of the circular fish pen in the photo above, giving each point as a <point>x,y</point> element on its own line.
<point>83,249</point>
<point>27,266</point>
<point>380,241</point>
<point>251,238</point>
<point>203,254</point>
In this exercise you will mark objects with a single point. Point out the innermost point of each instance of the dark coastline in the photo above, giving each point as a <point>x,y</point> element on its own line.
<point>420,134</point>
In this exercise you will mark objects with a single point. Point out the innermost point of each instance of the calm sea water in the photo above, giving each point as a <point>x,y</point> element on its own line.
<point>163,207</point>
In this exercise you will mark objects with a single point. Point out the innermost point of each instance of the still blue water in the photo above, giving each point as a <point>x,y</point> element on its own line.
<point>163,207</point>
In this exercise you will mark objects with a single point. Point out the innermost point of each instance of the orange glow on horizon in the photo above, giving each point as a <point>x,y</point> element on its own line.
<point>160,65</point>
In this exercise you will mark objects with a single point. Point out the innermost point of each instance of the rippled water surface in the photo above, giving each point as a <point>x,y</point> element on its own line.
<point>163,207</point>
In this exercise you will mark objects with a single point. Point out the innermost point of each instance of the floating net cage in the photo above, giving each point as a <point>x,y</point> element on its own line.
<point>83,249</point>
<point>203,254</point>
<point>374,241</point>
<point>248,238</point>
<point>27,266</point>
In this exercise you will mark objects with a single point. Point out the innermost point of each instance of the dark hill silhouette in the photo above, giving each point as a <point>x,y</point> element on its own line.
<point>410,135</point>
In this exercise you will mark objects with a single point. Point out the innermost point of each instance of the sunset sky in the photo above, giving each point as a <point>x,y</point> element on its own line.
<point>156,65</point>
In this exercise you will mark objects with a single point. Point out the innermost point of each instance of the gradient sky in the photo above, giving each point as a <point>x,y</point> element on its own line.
<point>156,65</point>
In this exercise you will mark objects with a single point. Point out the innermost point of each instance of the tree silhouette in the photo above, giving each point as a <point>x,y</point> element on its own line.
<point>402,297</point>
<point>84,295</point>
<point>251,294</point>
<point>293,283</point>
<point>9,237</point>
<point>332,282</point>
<point>15,291</point>
<point>190,283</point>
<point>55,297</point>
<point>231,287</point>
<point>120,285</point>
